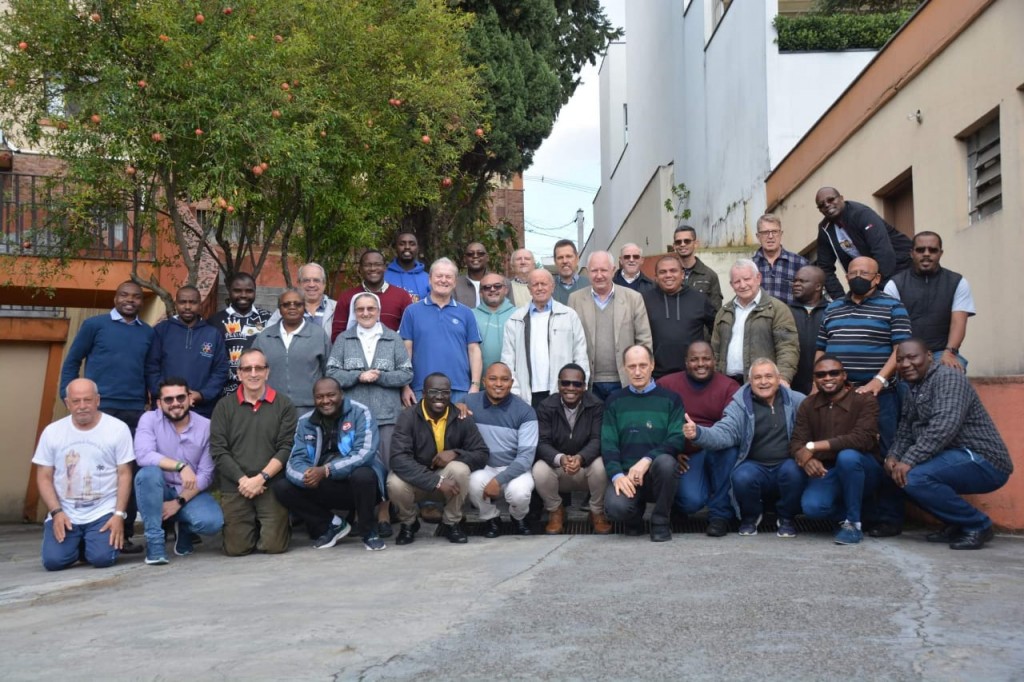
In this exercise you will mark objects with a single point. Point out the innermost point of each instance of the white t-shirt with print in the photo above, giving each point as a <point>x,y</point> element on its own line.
<point>85,465</point>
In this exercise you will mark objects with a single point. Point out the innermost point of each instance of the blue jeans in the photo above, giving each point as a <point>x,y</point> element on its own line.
<point>83,541</point>
<point>603,389</point>
<point>839,495</point>
<point>201,515</point>
<point>937,358</point>
<point>937,484</point>
<point>752,482</point>
<point>888,506</point>
<point>708,483</point>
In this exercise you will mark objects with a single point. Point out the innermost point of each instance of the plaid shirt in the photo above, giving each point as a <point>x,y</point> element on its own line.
<point>777,279</point>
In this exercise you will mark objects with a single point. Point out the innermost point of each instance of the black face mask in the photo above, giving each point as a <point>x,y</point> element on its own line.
<point>860,285</point>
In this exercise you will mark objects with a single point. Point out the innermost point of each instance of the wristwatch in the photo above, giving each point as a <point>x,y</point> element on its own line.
<point>266,476</point>
<point>122,514</point>
<point>181,500</point>
<point>883,380</point>
<point>179,466</point>
<point>810,445</point>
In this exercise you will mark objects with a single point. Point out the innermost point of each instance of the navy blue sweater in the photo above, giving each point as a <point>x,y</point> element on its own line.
<point>115,358</point>
<point>196,354</point>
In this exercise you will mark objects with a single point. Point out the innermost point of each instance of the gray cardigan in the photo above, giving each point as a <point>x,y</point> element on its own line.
<point>383,397</point>
<point>295,369</point>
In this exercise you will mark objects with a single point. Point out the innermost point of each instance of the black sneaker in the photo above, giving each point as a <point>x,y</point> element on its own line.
<point>521,527</point>
<point>884,529</point>
<point>454,533</point>
<point>130,547</point>
<point>717,528</point>
<point>406,535</point>
<point>384,529</point>
<point>373,543</point>
<point>182,540</point>
<point>947,535</point>
<point>492,527</point>
<point>335,532</point>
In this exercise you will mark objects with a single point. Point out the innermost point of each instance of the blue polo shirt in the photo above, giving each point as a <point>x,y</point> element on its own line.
<point>862,334</point>
<point>439,339</point>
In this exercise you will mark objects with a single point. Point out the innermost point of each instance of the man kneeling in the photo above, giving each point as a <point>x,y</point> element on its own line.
<point>334,464</point>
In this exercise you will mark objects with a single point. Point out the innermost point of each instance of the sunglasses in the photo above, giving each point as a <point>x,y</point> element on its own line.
<point>683,242</point>
<point>475,254</point>
<point>828,373</point>
<point>926,249</point>
<point>291,304</point>
<point>171,399</point>
<point>567,383</point>
<point>630,257</point>
<point>491,287</point>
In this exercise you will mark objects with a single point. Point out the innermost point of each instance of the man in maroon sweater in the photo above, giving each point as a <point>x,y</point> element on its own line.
<point>393,300</point>
<point>705,394</point>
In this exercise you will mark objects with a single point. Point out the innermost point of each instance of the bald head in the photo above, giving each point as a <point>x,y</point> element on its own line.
<point>808,285</point>
<point>862,276</point>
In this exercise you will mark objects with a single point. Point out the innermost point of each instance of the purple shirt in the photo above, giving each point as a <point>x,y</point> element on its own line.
<point>156,437</point>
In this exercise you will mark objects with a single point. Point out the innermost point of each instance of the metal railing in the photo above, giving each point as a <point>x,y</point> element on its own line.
<point>30,225</point>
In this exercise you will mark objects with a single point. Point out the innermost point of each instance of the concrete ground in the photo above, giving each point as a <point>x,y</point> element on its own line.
<point>560,607</point>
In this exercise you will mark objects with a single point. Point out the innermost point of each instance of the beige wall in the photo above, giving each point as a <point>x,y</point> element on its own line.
<point>648,223</point>
<point>981,70</point>
<point>23,367</point>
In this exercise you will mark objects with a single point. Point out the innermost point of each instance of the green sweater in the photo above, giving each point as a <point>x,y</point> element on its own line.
<point>243,440</point>
<point>638,425</point>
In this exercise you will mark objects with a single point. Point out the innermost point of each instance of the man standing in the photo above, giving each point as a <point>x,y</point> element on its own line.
<point>835,442</point>
<point>509,428</point>
<point>84,477</point>
<point>808,308</point>
<point>251,437</point>
<point>641,437</point>
<point>405,271</point>
<point>567,262</point>
<point>850,230</point>
<point>776,265</point>
<point>467,286</point>
<point>705,393</point>
<point>334,465</point>
<point>938,300</point>
<point>114,347</point>
<point>569,450</point>
<point>393,300</point>
<point>185,346</point>
<point>540,338</point>
<point>241,322</point>
<point>754,325</point>
<point>441,335</point>
<point>318,307</point>
<point>432,455</point>
<point>759,421</point>
<point>613,319</point>
<point>696,274</point>
<point>947,446</point>
<point>863,329</point>
<point>491,316</point>
<point>678,315</point>
<point>631,260</point>
<point>172,448</point>
<point>523,263</point>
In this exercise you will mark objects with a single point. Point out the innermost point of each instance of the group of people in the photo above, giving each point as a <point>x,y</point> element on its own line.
<point>424,385</point>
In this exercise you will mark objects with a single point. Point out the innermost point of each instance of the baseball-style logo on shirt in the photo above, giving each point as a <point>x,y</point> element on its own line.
<point>206,350</point>
<point>346,426</point>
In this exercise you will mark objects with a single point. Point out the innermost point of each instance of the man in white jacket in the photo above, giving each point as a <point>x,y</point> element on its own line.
<point>541,338</point>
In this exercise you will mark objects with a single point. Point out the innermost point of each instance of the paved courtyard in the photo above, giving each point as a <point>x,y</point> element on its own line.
<point>563,607</point>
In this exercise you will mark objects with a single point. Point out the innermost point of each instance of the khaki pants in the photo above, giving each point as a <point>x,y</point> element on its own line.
<point>257,524</point>
<point>552,480</point>
<point>405,496</point>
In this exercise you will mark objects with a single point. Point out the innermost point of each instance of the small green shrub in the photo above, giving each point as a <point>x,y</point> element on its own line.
<point>837,31</point>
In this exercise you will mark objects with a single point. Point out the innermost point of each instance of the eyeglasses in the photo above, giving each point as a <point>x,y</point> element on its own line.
<point>290,304</point>
<point>631,257</point>
<point>569,383</point>
<point>491,287</point>
<point>684,242</point>
<point>477,254</point>
<point>252,369</point>
<point>171,399</point>
<point>437,392</point>
<point>828,373</point>
<point>926,249</point>
<point>862,273</point>
<point>769,233</point>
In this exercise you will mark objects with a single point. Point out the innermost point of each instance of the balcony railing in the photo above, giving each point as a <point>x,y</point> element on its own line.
<point>31,228</point>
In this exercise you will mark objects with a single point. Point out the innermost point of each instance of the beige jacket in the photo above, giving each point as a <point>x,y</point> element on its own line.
<point>629,320</point>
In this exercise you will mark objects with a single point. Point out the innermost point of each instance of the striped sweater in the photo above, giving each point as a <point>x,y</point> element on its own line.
<point>638,425</point>
<point>510,431</point>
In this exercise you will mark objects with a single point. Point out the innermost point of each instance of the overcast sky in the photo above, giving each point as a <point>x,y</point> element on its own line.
<point>572,154</point>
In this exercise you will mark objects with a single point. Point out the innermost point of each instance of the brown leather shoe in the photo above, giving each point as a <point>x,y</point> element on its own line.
<point>556,521</point>
<point>600,524</point>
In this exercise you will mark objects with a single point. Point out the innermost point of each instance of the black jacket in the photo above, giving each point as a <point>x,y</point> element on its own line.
<point>873,238</point>
<point>557,438</point>
<point>413,447</point>
<point>640,285</point>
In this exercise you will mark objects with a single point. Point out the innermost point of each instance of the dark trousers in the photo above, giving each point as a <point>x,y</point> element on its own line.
<point>659,487</point>
<point>131,418</point>
<point>359,492</point>
<point>537,398</point>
